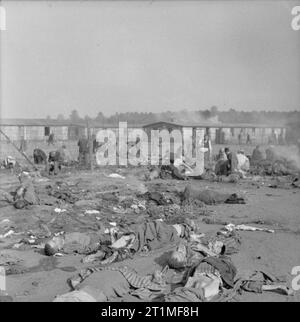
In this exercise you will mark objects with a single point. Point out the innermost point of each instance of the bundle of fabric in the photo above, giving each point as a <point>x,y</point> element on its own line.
<point>204,280</point>
<point>224,244</point>
<point>25,195</point>
<point>153,235</point>
<point>243,162</point>
<point>85,294</point>
<point>210,197</point>
<point>158,197</point>
<point>260,281</point>
<point>62,192</point>
<point>171,172</point>
<point>122,279</point>
<point>257,156</point>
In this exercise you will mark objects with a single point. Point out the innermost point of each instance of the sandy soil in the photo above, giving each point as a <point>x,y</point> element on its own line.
<point>277,253</point>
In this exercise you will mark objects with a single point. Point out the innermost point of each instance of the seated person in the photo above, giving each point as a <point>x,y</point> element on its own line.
<point>257,155</point>
<point>243,161</point>
<point>55,162</point>
<point>39,156</point>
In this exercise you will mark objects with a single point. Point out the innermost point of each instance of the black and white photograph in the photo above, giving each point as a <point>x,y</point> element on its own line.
<point>149,153</point>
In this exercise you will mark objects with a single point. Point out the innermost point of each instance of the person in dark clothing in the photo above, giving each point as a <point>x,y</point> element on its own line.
<point>23,145</point>
<point>240,138</point>
<point>51,139</point>
<point>248,139</point>
<point>227,166</point>
<point>55,162</point>
<point>281,140</point>
<point>95,144</point>
<point>208,146</point>
<point>39,156</point>
<point>83,145</point>
<point>171,170</point>
<point>257,155</point>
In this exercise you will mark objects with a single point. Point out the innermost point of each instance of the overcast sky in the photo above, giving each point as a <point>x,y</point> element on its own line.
<point>148,56</point>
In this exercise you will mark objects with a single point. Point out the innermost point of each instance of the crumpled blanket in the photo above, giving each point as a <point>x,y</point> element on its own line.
<point>231,242</point>
<point>170,172</point>
<point>153,235</point>
<point>111,283</point>
<point>62,192</point>
<point>25,195</point>
<point>210,197</point>
<point>224,265</point>
<point>86,294</point>
<point>158,197</point>
<point>186,294</point>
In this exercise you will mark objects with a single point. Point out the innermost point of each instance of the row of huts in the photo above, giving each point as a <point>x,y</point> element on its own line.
<point>40,129</point>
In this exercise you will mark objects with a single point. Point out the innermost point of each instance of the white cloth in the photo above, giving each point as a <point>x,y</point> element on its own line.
<point>243,162</point>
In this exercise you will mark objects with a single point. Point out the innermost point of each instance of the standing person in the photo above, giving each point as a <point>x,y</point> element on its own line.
<point>51,139</point>
<point>248,139</point>
<point>83,145</point>
<point>281,140</point>
<point>95,144</point>
<point>240,138</point>
<point>54,162</point>
<point>65,156</point>
<point>23,144</point>
<point>207,145</point>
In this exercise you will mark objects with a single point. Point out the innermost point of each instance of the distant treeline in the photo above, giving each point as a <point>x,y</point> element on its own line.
<point>230,116</point>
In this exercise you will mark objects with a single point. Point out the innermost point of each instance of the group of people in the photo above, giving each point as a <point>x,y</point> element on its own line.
<point>248,139</point>
<point>229,162</point>
<point>258,155</point>
<point>54,160</point>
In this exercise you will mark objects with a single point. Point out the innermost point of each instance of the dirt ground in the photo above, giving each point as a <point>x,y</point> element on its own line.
<point>45,277</point>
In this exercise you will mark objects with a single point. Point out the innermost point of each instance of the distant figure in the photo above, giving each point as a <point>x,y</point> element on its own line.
<point>270,153</point>
<point>54,162</point>
<point>281,140</point>
<point>248,139</point>
<point>83,145</point>
<point>225,167</point>
<point>207,145</point>
<point>270,140</point>
<point>221,159</point>
<point>39,156</point>
<point>273,139</point>
<point>243,161</point>
<point>221,155</point>
<point>233,161</point>
<point>257,155</point>
<point>240,138</point>
<point>65,156</point>
<point>276,137</point>
<point>23,145</point>
<point>95,144</point>
<point>51,139</point>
